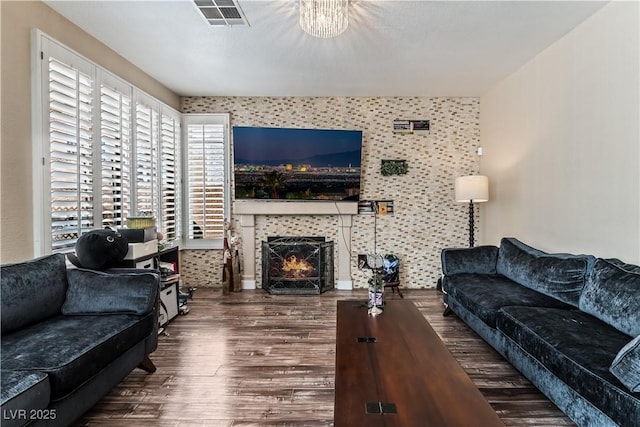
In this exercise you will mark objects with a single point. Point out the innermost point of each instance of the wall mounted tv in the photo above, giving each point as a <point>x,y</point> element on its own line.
<point>296,164</point>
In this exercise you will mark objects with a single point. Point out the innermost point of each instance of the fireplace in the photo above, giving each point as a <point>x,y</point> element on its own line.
<point>297,265</point>
<point>249,211</point>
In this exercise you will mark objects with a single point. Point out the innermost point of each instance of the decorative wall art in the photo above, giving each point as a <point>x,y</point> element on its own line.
<point>393,167</point>
<point>408,127</point>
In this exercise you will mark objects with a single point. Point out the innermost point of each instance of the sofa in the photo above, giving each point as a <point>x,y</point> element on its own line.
<point>569,323</point>
<point>69,336</point>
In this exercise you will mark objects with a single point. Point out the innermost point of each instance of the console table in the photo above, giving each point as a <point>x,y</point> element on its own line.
<point>393,370</point>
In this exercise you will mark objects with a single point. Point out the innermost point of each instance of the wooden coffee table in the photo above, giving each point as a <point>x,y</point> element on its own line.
<point>407,377</point>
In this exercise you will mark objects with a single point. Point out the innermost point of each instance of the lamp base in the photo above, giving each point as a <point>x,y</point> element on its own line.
<point>471,225</point>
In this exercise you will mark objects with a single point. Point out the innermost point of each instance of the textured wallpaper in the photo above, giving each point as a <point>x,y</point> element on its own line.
<point>426,217</point>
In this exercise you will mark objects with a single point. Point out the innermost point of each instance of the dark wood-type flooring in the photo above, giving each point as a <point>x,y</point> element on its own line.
<point>252,359</point>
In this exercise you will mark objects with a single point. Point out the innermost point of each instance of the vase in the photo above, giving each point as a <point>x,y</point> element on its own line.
<point>376,302</point>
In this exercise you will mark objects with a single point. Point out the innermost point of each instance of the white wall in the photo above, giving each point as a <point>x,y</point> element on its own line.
<point>562,143</point>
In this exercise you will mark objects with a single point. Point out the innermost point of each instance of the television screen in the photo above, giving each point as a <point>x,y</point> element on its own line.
<point>296,164</point>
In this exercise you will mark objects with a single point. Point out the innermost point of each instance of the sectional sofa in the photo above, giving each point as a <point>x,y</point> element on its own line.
<point>569,323</point>
<point>69,336</point>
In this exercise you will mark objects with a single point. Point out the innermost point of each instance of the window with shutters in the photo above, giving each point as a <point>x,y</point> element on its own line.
<point>115,127</point>
<point>71,137</point>
<point>206,174</point>
<point>146,155</point>
<point>106,151</point>
<point>170,194</point>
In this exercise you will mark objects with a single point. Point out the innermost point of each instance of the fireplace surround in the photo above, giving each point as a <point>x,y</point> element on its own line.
<point>247,210</point>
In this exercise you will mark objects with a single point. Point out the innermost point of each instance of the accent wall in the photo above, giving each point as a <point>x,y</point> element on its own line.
<point>426,218</point>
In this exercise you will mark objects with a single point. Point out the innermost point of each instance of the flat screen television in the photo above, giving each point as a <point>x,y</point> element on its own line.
<point>296,164</point>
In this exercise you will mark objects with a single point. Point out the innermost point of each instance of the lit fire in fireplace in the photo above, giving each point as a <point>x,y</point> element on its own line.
<point>296,267</point>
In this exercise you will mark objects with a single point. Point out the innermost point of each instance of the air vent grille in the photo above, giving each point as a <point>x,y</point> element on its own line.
<point>221,13</point>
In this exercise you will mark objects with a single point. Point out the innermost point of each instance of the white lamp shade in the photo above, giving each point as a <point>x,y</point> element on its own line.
<point>472,188</point>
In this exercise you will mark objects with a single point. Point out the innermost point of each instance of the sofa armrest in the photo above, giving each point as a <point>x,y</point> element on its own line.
<point>478,260</point>
<point>626,365</point>
<point>94,292</point>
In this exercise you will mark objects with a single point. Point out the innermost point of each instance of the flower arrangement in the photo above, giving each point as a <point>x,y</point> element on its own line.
<point>376,284</point>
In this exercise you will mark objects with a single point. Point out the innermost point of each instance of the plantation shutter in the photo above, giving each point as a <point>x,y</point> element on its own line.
<point>104,151</point>
<point>70,153</point>
<point>115,126</point>
<point>206,180</point>
<point>170,189</point>
<point>146,161</point>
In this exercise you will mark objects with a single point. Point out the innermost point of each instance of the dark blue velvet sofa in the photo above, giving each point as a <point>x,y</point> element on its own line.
<point>569,323</point>
<point>69,336</point>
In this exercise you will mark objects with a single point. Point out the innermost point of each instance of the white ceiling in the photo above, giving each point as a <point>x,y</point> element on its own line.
<point>391,48</point>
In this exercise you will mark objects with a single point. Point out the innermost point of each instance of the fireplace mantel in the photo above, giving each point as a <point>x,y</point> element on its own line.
<point>291,207</point>
<point>247,210</point>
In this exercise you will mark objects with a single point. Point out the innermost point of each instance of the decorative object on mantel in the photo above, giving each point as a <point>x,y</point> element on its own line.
<point>324,18</point>
<point>393,167</point>
<point>409,127</point>
<point>472,189</point>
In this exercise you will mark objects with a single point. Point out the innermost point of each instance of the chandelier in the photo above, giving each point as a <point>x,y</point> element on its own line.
<point>324,18</point>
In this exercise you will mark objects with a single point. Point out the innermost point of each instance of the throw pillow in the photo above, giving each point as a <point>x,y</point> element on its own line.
<point>626,365</point>
<point>476,260</point>
<point>561,276</point>
<point>93,292</point>
<point>612,294</point>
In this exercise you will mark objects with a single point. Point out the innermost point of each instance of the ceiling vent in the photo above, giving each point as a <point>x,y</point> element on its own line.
<point>222,13</point>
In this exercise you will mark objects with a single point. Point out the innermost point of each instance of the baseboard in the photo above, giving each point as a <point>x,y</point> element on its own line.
<point>248,284</point>
<point>344,285</point>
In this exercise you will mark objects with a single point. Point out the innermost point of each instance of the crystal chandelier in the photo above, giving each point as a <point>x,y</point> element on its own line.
<point>324,18</point>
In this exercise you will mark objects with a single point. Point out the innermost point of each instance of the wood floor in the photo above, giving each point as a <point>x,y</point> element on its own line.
<point>252,359</point>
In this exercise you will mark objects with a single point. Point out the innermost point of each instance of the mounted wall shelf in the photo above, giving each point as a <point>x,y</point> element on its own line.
<point>408,127</point>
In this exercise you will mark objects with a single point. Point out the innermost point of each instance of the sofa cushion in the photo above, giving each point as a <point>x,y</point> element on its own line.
<point>484,294</point>
<point>561,276</point>
<point>32,291</point>
<point>578,349</point>
<point>93,292</point>
<point>479,259</point>
<point>632,268</point>
<point>626,365</point>
<point>612,294</point>
<point>22,394</point>
<point>72,349</point>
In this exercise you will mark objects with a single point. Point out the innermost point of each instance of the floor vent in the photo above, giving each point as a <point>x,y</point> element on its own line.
<point>222,13</point>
